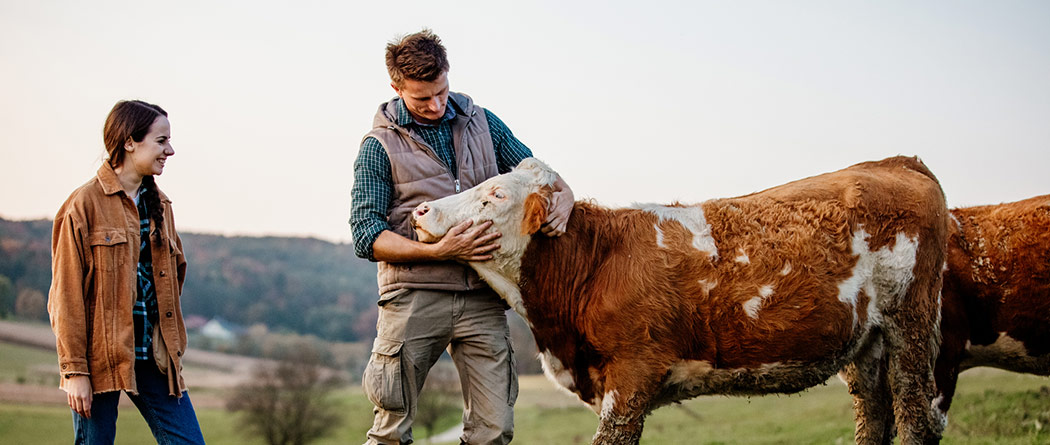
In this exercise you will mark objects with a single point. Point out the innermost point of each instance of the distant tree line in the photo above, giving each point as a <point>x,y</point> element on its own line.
<point>301,285</point>
<point>280,290</point>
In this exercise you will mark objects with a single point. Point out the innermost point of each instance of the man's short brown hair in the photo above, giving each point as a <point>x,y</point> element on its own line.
<point>419,56</point>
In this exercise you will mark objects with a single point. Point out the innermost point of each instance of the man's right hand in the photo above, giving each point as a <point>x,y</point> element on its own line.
<point>78,394</point>
<point>466,243</point>
<point>461,243</point>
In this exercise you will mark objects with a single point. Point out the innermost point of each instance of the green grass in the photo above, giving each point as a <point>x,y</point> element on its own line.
<point>23,364</point>
<point>991,407</point>
<point>820,415</point>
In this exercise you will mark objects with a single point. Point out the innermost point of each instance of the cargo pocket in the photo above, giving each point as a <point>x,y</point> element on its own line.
<point>382,378</point>
<point>512,389</point>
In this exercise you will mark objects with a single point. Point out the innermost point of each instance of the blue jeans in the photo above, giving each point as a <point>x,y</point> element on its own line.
<point>171,419</point>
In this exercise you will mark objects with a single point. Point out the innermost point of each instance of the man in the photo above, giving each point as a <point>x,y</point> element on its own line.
<point>426,144</point>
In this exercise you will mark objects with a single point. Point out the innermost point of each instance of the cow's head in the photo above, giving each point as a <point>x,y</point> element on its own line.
<point>515,202</point>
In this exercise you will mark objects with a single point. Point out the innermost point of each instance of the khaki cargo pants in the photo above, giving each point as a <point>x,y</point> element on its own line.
<point>415,326</point>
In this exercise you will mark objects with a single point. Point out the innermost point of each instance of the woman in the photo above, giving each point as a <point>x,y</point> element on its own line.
<point>118,270</point>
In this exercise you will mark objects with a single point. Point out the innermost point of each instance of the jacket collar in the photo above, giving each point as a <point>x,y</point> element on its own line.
<point>107,178</point>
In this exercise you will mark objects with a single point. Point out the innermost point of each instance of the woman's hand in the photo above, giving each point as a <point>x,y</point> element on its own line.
<point>78,393</point>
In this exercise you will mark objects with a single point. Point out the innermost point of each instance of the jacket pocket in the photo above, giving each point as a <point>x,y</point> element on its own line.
<point>383,381</point>
<point>108,248</point>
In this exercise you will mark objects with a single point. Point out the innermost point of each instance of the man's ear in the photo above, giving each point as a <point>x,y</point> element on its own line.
<point>535,213</point>
<point>129,145</point>
<point>396,89</point>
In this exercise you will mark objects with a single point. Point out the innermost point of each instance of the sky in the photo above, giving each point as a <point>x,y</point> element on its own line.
<point>643,101</point>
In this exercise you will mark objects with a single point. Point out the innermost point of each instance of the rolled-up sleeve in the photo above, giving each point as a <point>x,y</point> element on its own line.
<point>65,303</point>
<point>370,196</point>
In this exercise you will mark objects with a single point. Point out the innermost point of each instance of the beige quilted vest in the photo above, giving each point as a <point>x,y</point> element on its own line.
<point>419,175</point>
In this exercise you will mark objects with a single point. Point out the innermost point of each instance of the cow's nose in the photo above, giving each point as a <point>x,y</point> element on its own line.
<point>421,210</point>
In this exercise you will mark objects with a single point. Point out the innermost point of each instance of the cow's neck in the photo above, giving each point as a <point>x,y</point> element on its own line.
<point>554,282</point>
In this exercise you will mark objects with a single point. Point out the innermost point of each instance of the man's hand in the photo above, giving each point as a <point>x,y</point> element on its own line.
<point>78,394</point>
<point>562,201</point>
<point>466,243</point>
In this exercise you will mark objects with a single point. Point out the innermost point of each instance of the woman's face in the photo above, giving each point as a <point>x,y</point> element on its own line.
<point>147,157</point>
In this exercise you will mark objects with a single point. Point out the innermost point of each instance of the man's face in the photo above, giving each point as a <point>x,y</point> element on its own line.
<point>426,101</point>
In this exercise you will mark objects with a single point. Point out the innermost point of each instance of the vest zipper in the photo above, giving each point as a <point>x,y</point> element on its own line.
<point>433,155</point>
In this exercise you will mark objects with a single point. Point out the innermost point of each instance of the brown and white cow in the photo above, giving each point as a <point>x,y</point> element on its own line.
<point>771,292</point>
<point>996,292</point>
<point>995,309</point>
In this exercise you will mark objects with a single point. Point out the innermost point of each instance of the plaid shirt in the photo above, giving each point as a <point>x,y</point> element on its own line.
<point>145,310</point>
<point>373,188</point>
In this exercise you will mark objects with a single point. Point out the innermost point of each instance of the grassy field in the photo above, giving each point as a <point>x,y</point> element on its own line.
<point>993,407</point>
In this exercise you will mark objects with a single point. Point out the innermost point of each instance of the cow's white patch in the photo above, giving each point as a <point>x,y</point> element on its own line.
<point>742,257</point>
<point>556,372</point>
<point>752,306</point>
<point>706,286</point>
<point>939,416</point>
<point>659,236</point>
<point>884,274</point>
<point>862,271</point>
<point>690,217</point>
<point>958,224</point>
<point>505,283</point>
<point>787,269</point>
<point>765,291</point>
<point>895,268</point>
<point>686,371</point>
<point>608,403</point>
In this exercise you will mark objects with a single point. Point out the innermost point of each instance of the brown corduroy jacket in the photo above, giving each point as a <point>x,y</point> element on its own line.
<point>95,254</point>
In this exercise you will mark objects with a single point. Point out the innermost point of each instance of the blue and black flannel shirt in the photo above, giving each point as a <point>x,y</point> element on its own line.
<point>145,310</point>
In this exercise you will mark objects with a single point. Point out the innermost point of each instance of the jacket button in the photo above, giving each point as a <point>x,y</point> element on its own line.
<point>168,314</point>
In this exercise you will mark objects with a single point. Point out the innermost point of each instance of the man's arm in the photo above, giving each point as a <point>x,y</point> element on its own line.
<point>509,152</point>
<point>462,242</point>
<point>370,198</point>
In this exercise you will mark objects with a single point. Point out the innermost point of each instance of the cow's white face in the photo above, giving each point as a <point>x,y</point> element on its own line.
<point>515,202</point>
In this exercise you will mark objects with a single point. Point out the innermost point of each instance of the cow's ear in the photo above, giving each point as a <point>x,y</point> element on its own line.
<point>535,213</point>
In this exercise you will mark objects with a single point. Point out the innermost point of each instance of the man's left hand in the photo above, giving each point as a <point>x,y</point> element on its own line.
<point>562,201</point>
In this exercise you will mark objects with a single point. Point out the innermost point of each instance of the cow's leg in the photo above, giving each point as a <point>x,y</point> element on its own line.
<point>628,394</point>
<point>946,372</point>
<point>955,333</point>
<point>872,400</point>
<point>912,337</point>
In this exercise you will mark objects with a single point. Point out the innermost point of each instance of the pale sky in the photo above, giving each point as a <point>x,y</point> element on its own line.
<point>642,101</point>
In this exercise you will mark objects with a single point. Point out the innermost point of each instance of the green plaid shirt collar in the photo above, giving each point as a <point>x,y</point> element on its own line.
<point>404,118</point>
